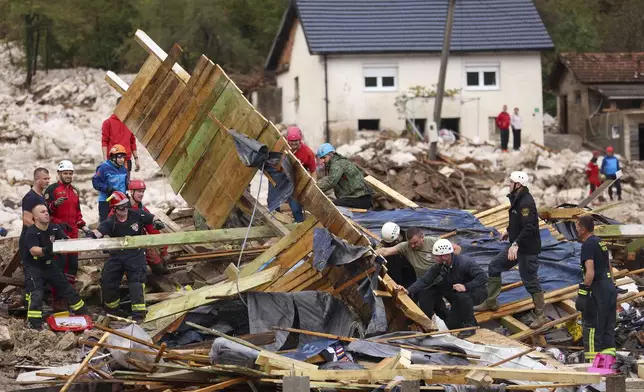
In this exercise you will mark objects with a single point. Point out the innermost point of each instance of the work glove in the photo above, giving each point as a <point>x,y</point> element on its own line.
<point>59,201</point>
<point>583,296</point>
<point>86,230</point>
<point>3,232</point>
<point>90,234</point>
<point>158,224</point>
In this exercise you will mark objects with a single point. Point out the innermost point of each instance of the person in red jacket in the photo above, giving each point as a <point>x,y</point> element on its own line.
<point>115,132</point>
<point>592,172</point>
<point>503,123</point>
<point>156,259</point>
<point>64,205</point>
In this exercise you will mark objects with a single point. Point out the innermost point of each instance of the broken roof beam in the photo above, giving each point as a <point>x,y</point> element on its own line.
<point>153,49</point>
<point>150,241</point>
<point>389,192</point>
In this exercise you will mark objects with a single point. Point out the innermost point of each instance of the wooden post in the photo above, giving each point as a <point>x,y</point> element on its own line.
<point>84,364</point>
<point>296,384</point>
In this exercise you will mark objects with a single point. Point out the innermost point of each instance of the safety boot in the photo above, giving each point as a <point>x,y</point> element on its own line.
<point>59,305</point>
<point>159,269</point>
<point>539,306</point>
<point>139,317</point>
<point>493,291</point>
<point>34,323</point>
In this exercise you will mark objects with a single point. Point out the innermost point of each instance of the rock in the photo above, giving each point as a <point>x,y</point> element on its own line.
<point>67,342</point>
<point>15,175</point>
<point>5,338</point>
<point>46,335</point>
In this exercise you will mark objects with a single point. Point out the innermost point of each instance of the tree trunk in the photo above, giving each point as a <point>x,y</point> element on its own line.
<point>37,44</point>
<point>29,45</point>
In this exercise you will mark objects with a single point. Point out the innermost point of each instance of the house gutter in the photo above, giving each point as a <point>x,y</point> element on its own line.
<point>327,132</point>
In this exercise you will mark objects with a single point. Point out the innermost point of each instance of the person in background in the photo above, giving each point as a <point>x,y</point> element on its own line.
<point>34,197</point>
<point>610,167</point>
<point>517,124</point>
<point>503,123</point>
<point>592,172</point>
<point>114,132</point>
<point>344,178</point>
<point>306,156</point>
<point>110,176</point>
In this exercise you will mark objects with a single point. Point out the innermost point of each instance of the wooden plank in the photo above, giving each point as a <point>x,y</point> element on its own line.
<point>313,276</point>
<point>167,101</point>
<point>172,227</point>
<point>401,361</point>
<point>407,306</point>
<point>620,231</point>
<point>513,325</point>
<point>267,218</point>
<point>84,364</point>
<point>389,192</point>
<point>193,299</point>
<point>155,50</point>
<point>141,80</point>
<point>163,134</point>
<point>281,362</point>
<point>9,269</point>
<point>142,128</point>
<point>116,83</point>
<point>223,385</point>
<point>567,306</point>
<point>288,277</point>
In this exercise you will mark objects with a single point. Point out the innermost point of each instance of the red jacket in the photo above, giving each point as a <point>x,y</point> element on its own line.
<point>503,120</point>
<point>305,155</point>
<point>592,173</point>
<point>69,212</point>
<point>115,132</point>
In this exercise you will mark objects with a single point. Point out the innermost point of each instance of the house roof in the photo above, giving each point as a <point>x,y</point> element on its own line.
<point>620,91</point>
<point>396,26</point>
<point>589,68</point>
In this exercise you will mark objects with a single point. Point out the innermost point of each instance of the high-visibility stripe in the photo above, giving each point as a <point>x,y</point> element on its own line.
<point>138,307</point>
<point>78,305</point>
<point>582,292</point>
<point>34,314</point>
<point>114,304</point>
<point>609,351</point>
<point>591,340</point>
<point>589,356</point>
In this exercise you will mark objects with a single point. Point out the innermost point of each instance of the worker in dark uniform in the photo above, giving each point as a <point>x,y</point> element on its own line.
<point>40,267</point>
<point>398,267</point>
<point>125,222</point>
<point>456,278</point>
<point>597,295</point>
<point>525,240</point>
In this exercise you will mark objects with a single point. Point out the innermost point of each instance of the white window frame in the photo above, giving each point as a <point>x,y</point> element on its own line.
<point>380,71</point>
<point>481,69</point>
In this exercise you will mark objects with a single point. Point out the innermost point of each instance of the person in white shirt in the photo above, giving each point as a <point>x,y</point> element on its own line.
<point>515,121</point>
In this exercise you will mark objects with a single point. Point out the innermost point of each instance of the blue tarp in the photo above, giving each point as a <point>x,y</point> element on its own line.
<point>559,261</point>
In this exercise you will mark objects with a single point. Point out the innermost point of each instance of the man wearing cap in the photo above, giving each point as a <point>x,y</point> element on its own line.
<point>306,156</point>
<point>456,278</point>
<point>610,167</point>
<point>344,178</point>
<point>525,240</point>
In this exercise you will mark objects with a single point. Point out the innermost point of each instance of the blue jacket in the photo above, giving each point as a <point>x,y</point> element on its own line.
<point>610,165</point>
<point>109,178</point>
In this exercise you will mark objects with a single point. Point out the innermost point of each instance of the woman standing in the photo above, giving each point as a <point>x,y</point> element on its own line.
<point>516,129</point>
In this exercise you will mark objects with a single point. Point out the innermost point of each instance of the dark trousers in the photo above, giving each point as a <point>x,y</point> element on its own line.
<point>363,202</point>
<point>528,269</point>
<point>36,277</point>
<point>400,270</point>
<point>296,209</point>
<point>617,184</point>
<point>516,139</point>
<point>136,270</point>
<point>103,210</point>
<point>599,319</point>
<point>505,138</point>
<point>461,312</point>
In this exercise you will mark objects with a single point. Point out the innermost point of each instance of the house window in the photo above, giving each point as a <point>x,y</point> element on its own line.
<point>296,87</point>
<point>482,77</point>
<point>380,78</point>
<point>371,124</point>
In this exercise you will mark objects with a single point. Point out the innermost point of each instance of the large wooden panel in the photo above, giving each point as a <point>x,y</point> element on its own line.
<point>141,80</point>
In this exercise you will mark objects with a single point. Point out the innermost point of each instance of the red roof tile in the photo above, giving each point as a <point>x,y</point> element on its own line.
<point>606,67</point>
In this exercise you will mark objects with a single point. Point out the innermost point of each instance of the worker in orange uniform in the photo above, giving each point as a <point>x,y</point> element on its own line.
<point>114,132</point>
<point>592,172</point>
<point>64,204</point>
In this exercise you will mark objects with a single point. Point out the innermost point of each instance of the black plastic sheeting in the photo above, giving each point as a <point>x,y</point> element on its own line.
<point>560,261</point>
<point>331,250</point>
<point>378,322</point>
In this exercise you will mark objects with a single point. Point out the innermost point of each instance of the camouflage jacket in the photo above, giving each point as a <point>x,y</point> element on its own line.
<point>345,178</point>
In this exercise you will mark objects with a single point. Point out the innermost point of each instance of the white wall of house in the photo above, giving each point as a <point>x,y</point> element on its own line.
<point>518,84</point>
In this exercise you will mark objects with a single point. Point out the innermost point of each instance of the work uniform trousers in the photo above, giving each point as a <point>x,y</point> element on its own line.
<point>617,184</point>
<point>461,312</point>
<point>528,269</point>
<point>36,277</point>
<point>599,319</point>
<point>363,202</point>
<point>136,270</point>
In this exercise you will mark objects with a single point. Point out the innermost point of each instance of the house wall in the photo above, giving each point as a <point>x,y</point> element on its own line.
<point>519,76</point>
<point>599,131</point>
<point>576,96</point>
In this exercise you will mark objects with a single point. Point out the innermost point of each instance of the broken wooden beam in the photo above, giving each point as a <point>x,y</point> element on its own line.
<point>84,364</point>
<point>620,231</point>
<point>390,193</point>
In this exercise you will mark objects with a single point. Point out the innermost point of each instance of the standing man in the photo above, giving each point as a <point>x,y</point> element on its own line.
<point>592,172</point>
<point>64,205</point>
<point>306,156</point>
<point>344,178</point>
<point>523,233</point>
<point>610,167</point>
<point>456,278</point>
<point>503,123</point>
<point>125,222</point>
<point>115,132</point>
<point>517,124</point>
<point>110,176</point>
<point>597,296</point>
<point>40,267</point>
<point>399,268</point>
<point>34,197</point>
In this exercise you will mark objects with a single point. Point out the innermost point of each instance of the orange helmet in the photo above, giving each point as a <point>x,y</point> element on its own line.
<point>136,185</point>
<point>118,199</point>
<point>117,149</point>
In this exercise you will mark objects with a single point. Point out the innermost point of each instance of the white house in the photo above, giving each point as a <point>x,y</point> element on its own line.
<point>340,64</point>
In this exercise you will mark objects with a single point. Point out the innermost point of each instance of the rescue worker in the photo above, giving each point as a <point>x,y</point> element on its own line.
<point>111,176</point>
<point>417,250</point>
<point>40,267</point>
<point>114,132</point>
<point>456,278</point>
<point>597,295</point>
<point>592,172</point>
<point>525,240</point>
<point>344,178</point>
<point>125,222</point>
<point>398,266</point>
<point>34,197</point>
<point>610,167</point>
<point>64,206</point>
<point>503,122</point>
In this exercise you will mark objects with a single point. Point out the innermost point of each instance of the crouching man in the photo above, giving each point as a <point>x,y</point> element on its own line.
<point>456,278</point>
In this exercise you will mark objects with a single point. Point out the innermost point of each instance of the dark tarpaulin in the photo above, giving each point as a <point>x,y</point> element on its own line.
<point>378,322</point>
<point>379,350</point>
<point>331,250</point>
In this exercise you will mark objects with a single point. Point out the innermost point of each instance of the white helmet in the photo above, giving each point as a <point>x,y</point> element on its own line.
<point>520,177</point>
<point>390,232</point>
<point>442,247</point>
<point>65,166</point>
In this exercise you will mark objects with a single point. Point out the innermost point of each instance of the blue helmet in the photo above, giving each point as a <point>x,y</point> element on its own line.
<point>325,149</point>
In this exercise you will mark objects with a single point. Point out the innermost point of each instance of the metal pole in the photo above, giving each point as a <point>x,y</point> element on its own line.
<point>440,89</point>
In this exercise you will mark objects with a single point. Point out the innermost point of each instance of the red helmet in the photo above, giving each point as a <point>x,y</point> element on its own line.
<point>610,149</point>
<point>293,133</point>
<point>596,154</point>
<point>117,149</point>
<point>136,185</point>
<point>118,199</point>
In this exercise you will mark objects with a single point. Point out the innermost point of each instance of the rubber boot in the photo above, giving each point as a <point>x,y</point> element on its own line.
<point>82,311</point>
<point>493,291</point>
<point>539,305</point>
